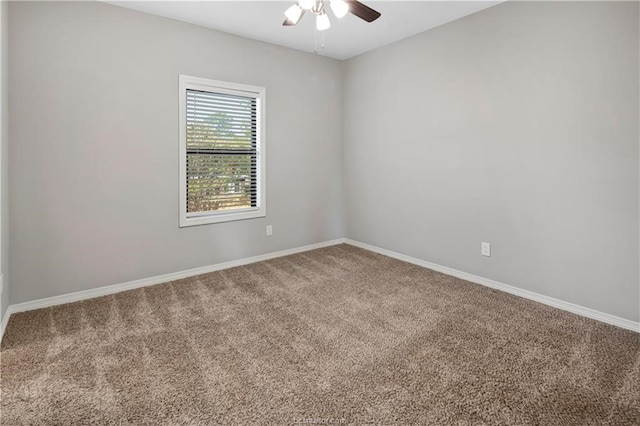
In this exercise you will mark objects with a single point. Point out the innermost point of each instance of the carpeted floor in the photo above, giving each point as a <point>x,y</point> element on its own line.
<point>337,334</point>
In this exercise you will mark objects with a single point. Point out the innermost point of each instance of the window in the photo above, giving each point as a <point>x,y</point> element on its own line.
<point>221,151</point>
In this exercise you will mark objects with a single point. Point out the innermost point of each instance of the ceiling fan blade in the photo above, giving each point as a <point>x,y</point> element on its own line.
<point>288,23</point>
<point>363,11</point>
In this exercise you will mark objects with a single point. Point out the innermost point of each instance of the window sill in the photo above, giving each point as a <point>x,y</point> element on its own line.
<point>210,218</point>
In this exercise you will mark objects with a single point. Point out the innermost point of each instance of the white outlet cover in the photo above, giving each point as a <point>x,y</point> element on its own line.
<point>485,249</point>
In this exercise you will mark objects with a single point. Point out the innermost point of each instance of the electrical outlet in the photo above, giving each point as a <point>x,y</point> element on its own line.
<point>1,283</point>
<point>269,230</point>
<point>485,249</point>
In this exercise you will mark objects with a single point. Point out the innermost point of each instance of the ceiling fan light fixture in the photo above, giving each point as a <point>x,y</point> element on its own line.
<point>307,4</point>
<point>317,7</point>
<point>294,13</point>
<point>340,8</point>
<point>322,21</point>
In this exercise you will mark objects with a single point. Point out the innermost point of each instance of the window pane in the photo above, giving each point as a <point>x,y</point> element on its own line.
<point>221,151</point>
<point>220,182</point>
<point>217,121</point>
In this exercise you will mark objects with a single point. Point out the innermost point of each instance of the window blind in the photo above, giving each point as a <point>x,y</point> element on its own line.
<point>222,151</point>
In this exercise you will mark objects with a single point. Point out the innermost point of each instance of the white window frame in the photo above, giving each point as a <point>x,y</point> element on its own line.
<point>204,218</point>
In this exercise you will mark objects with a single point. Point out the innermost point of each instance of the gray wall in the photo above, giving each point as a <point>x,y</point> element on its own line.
<point>4,154</point>
<point>517,126</point>
<point>94,146</point>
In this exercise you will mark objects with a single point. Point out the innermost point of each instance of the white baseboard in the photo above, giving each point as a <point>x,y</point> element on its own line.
<point>117,288</point>
<point>5,321</point>
<point>130,285</point>
<point>550,301</point>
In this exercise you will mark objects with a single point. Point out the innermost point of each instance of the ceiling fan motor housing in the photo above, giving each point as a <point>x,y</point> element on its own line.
<point>318,9</point>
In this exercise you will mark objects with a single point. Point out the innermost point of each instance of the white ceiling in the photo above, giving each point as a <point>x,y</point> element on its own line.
<point>347,37</point>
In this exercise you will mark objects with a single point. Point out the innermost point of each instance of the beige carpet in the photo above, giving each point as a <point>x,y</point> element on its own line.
<point>337,334</point>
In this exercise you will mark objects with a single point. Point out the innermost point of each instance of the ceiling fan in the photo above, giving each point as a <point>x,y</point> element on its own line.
<point>317,7</point>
